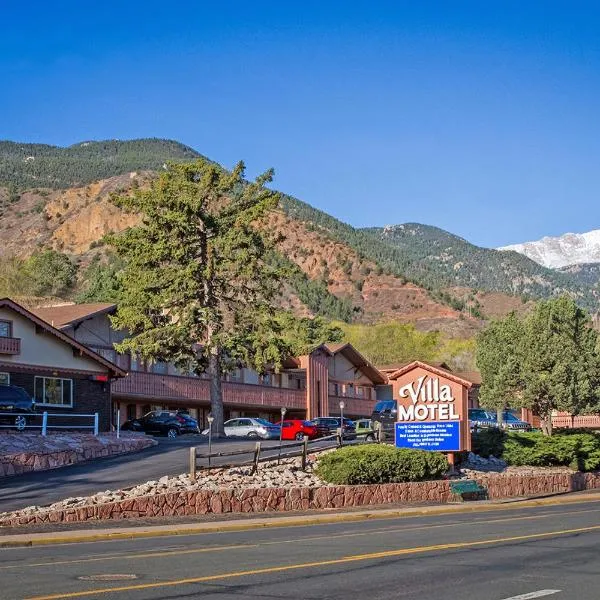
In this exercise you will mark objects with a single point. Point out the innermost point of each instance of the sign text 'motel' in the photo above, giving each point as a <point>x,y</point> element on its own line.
<point>431,410</point>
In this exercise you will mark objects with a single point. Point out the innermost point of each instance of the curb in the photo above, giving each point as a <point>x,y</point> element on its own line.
<point>28,540</point>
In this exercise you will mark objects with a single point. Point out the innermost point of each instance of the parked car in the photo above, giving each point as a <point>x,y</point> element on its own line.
<point>251,428</point>
<point>364,429</point>
<point>296,429</point>
<point>16,401</point>
<point>511,421</point>
<point>329,426</point>
<point>163,422</point>
<point>481,419</point>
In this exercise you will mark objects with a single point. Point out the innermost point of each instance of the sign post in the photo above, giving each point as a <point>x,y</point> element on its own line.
<point>432,409</point>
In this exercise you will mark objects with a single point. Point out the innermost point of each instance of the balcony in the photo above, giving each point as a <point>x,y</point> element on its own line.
<point>188,390</point>
<point>10,345</point>
<point>352,406</point>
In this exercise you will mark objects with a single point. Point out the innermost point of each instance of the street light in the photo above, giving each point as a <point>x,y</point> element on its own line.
<point>283,411</point>
<point>341,421</point>
<point>210,420</point>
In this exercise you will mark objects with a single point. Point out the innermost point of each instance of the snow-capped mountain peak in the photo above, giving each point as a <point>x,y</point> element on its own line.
<point>561,251</point>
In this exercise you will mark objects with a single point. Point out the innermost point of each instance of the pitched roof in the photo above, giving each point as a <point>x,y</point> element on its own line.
<point>358,360</point>
<point>389,369</point>
<point>83,350</point>
<point>432,369</point>
<point>473,376</point>
<point>71,314</point>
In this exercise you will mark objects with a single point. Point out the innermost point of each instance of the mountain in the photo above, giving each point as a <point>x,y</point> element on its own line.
<point>331,276</point>
<point>59,198</point>
<point>562,251</point>
<point>587,274</point>
<point>437,259</point>
<point>39,165</point>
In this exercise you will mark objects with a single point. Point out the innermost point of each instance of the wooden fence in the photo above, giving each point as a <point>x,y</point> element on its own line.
<point>258,454</point>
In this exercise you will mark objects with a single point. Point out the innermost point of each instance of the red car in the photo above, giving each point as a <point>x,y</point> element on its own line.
<point>296,429</point>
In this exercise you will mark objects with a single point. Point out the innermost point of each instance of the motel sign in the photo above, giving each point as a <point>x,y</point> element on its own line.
<point>432,409</point>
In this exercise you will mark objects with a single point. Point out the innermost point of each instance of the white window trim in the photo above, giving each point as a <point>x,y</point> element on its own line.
<point>61,379</point>
<point>7,377</point>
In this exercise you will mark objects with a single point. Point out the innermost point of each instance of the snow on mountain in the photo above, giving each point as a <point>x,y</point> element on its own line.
<point>561,251</point>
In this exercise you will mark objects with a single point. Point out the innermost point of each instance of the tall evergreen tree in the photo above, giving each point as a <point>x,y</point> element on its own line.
<point>547,362</point>
<point>197,287</point>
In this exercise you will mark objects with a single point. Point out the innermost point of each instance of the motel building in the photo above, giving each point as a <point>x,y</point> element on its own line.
<point>70,347</point>
<point>307,386</point>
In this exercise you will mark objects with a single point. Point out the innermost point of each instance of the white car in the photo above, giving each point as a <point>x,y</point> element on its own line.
<point>250,428</point>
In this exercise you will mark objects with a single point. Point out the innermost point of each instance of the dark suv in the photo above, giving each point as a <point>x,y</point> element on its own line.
<point>163,422</point>
<point>18,403</point>
<point>329,426</point>
<point>385,412</point>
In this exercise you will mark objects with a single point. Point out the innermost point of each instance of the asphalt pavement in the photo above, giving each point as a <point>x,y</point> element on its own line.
<point>170,457</point>
<point>513,554</point>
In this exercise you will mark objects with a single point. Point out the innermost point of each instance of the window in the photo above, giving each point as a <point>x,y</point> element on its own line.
<point>159,367</point>
<point>53,391</point>
<point>5,328</point>
<point>4,378</point>
<point>237,375</point>
<point>107,353</point>
<point>123,361</point>
<point>136,363</point>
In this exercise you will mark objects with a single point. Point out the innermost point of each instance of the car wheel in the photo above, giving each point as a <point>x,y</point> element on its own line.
<point>172,433</point>
<point>20,422</point>
<point>299,436</point>
<point>253,435</point>
<point>370,437</point>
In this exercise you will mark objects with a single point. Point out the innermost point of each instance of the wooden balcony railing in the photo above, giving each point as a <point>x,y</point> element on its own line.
<point>10,345</point>
<point>360,407</point>
<point>178,389</point>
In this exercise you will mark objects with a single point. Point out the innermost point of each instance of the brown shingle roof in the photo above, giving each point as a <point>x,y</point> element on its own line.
<point>358,360</point>
<point>473,376</point>
<point>84,350</point>
<point>71,314</point>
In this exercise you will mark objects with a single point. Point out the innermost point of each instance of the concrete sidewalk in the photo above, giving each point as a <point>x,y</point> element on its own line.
<point>290,520</point>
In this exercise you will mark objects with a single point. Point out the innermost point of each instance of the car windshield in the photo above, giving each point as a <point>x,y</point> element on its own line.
<point>509,417</point>
<point>264,422</point>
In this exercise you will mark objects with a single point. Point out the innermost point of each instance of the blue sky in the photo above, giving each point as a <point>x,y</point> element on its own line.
<point>477,117</point>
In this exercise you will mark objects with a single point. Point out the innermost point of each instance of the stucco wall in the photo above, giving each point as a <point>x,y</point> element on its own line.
<point>43,348</point>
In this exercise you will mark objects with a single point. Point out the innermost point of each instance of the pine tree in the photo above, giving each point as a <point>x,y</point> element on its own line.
<point>547,362</point>
<point>198,288</point>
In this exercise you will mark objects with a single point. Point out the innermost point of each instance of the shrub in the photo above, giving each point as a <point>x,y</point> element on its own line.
<point>380,464</point>
<point>488,442</point>
<point>579,451</point>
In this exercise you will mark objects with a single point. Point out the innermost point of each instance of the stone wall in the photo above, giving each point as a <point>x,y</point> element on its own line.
<point>255,500</point>
<point>25,452</point>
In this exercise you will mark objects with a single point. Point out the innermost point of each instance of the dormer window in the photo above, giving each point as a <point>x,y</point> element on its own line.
<point>6,329</point>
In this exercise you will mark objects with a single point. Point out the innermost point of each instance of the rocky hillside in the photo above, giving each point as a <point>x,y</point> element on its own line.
<point>437,259</point>
<point>59,198</point>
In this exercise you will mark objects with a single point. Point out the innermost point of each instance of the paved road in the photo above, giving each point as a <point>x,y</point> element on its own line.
<point>170,457</point>
<point>551,551</point>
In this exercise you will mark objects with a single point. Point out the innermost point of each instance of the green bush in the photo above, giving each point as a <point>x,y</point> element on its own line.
<point>488,442</point>
<point>579,451</point>
<point>380,464</point>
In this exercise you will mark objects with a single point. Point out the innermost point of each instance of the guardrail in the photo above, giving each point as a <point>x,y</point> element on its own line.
<point>306,447</point>
<point>23,421</point>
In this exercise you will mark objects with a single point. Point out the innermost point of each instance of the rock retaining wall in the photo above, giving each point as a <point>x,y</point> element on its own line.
<point>285,499</point>
<point>23,453</point>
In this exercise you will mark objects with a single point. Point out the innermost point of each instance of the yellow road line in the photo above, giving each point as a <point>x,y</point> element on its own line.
<point>178,552</point>
<point>315,564</point>
<point>163,553</point>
